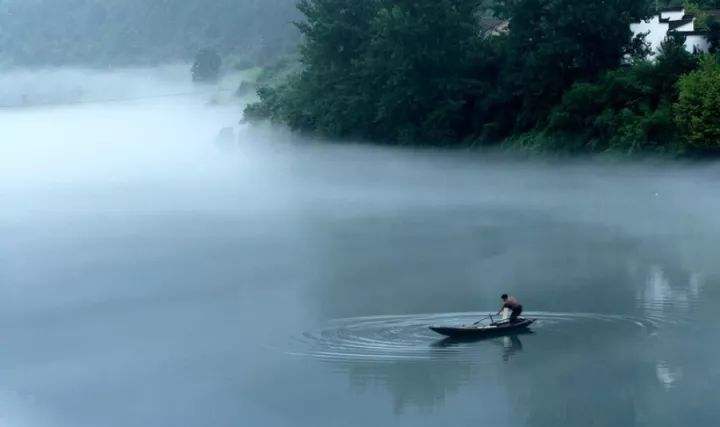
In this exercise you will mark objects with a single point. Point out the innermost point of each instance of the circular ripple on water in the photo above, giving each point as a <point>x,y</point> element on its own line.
<point>388,338</point>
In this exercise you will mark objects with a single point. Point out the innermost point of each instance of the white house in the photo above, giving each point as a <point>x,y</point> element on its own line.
<point>672,20</point>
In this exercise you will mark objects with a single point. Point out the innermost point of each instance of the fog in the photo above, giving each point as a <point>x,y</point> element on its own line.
<point>153,274</point>
<point>111,33</point>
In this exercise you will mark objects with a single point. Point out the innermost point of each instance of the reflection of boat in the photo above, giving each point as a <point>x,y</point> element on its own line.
<point>493,329</point>
<point>514,337</point>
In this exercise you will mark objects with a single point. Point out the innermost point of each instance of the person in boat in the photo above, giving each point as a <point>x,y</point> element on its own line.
<point>512,304</point>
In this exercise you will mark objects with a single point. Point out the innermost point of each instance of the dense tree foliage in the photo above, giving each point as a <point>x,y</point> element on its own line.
<point>383,69</point>
<point>554,43</point>
<point>422,70</point>
<point>698,107</point>
<point>627,109</point>
<point>568,76</point>
<point>702,4</point>
<point>102,32</point>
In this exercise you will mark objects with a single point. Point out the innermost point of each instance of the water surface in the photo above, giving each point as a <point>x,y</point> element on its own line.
<point>152,277</point>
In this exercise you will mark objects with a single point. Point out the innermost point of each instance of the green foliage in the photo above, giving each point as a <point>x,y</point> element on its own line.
<point>279,71</point>
<point>627,109</point>
<point>421,71</point>
<point>639,48</point>
<point>554,43</point>
<point>702,18</point>
<point>408,71</point>
<point>382,70</point>
<point>713,35</point>
<point>694,6</point>
<point>417,68</point>
<point>698,107</point>
<point>206,67</point>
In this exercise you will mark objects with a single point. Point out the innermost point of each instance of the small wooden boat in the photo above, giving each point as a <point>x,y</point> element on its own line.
<point>493,329</point>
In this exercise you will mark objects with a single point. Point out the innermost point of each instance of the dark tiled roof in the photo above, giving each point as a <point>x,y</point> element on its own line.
<point>685,20</point>
<point>490,23</point>
<point>695,33</point>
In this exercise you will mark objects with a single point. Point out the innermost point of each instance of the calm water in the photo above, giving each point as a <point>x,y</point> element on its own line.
<point>151,278</point>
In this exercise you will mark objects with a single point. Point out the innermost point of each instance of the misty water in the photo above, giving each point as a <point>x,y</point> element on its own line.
<point>152,277</point>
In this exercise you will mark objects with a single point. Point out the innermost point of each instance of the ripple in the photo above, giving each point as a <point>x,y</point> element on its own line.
<point>390,338</point>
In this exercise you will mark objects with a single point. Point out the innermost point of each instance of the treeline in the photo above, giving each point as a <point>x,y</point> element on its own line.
<point>567,75</point>
<point>131,32</point>
<point>702,4</point>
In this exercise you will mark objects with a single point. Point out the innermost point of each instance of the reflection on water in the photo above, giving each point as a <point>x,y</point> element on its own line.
<point>413,385</point>
<point>667,375</point>
<point>675,297</point>
<point>511,344</point>
<point>661,298</point>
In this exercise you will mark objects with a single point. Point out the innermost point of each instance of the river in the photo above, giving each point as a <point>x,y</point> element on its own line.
<point>150,277</point>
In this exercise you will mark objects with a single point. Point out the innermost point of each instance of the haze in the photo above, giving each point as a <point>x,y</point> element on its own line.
<point>151,277</point>
<point>165,264</point>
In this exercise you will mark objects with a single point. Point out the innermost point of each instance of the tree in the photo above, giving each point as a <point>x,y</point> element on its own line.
<point>554,43</point>
<point>698,107</point>
<point>421,71</point>
<point>713,35</point>
<point>386,70</point>
<point>639,48</point>
<point>627,109</point>
<point>329,95</point>
<point>206,67</point>
<point>418,68</point>
<point>673,61</point>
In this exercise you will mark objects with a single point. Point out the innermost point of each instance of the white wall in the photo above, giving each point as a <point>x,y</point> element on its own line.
<point>658,31</point>
<point>673,15</point>
<point>697,42</point>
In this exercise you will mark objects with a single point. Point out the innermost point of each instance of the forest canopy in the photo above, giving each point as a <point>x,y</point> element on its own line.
<point>567,75</point>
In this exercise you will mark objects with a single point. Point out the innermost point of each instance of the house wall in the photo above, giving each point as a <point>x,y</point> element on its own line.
<point>673,15</point>
<point>658,31</point>
<point>690,26</point>
<point>697,42</point>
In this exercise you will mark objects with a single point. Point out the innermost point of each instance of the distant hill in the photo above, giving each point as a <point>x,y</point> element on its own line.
<point>141,32</point>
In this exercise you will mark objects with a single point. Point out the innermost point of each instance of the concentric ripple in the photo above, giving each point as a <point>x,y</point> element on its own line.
<point>388,338</point>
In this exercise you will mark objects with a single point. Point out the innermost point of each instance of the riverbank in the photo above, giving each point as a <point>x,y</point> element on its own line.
<point>579,85</point>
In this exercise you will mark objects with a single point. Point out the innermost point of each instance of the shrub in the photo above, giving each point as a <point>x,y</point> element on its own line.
<point>698,107</point>
<point>628,109</point>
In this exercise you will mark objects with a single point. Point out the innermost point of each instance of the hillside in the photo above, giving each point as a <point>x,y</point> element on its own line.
<point>142,32</point>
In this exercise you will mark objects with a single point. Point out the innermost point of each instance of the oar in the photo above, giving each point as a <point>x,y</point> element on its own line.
<point>489,315</point>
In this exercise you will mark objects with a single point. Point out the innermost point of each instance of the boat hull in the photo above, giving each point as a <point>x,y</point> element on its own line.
<point>485,331</point>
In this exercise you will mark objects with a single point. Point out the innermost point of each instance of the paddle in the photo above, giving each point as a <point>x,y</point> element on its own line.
<point>489,315</point>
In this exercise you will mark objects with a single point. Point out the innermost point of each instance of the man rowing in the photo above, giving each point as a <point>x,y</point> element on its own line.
<point>512,304</point>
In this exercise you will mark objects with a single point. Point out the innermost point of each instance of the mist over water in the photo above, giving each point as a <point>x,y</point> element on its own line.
<point>151,276</point>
